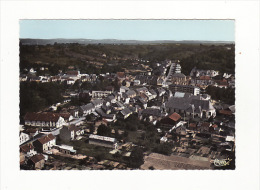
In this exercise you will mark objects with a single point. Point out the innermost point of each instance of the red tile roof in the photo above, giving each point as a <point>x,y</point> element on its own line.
<point>225,112</point>
<point>27,148</point>
<point>120,74</point>
<point>73,73</point>
<point>192,125</point>
<point>45,116</point>
<point>205,124</point>
<point>73,128</point>
<point>65,115</point>
<point>204,77</point>
<point>45,139</point>
<point>175,117</point>
<point>36,158</point>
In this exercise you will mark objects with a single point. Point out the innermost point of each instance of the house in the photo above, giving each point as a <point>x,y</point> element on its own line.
<point>75,75</point>
<point>87,109</point>
<point>163,139</point>
<point>37,161</point>
<point>101,94</point>
<point>28,150</point>
<point>66,116</point>
<point>185,88</point>
<point>23,137</point>
<point>192,126</point>
<point>150,114</point>
<point>31,132</point>
<point>22,158</point>
<point>23,78</point>
<point>118,106</point>
<point>70,81</point>
<point>97,103</point>
<point>181,130</point>
<point>103,141</point>
<point>141,90</point>
<point>44,143</point>
<point>153,94</point>
<point>171,120</point>
<point>107,117</point>
<point>110,99</point>
<point>125,99</point>
<point>204,127</point>
<point>70,132</point>
<point>44,119</point>
<point>120,76</point>
<point>106,109</point>
<point>131,93</point>
<point>65,149</point>
<point>161,91</point>
<point>178,78</point>
<point>123,89</point>
<point>125,113</point>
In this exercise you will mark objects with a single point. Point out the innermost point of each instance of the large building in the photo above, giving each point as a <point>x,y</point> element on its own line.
<point>185,88</point>
<point>44,119</point>
<point>190,105</point>
<point>103,141</point>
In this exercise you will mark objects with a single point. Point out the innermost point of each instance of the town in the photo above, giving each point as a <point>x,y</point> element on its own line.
<point>140,117</point>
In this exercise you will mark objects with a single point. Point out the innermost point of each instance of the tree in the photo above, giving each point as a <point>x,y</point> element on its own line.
<point>136,158</point>
<point>164,148</point>
<point>104,130</point>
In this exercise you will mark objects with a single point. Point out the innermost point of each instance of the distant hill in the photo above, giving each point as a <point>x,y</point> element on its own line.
<point>28,41</point>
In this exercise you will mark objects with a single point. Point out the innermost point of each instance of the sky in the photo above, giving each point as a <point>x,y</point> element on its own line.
<point>208,30</point>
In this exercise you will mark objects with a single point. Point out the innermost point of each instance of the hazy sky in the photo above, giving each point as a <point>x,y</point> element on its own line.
<point>211,30</point>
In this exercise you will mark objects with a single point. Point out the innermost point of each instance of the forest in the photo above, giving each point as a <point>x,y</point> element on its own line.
<point>102,58</point>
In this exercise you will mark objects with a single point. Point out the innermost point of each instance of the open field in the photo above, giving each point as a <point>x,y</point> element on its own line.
<point>162,162</point>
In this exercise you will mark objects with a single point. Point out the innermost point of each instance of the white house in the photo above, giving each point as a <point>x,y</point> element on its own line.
<point>45,119</point>
<point>24,137</point>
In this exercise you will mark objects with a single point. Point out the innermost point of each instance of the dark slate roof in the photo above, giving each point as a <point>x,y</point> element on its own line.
<point>105,108</point>
<point>186,103</point>
<point>100,112</point>
<point>126,111</point>
<point>160,90</point>
<point>141,89</point>
<point>110,97</point>
<point>178,75</point>
<point>204,104</point>
<point>130,93</point>
<point>96,102</point>
<point>88,106</point>
<point>151,111</point>
<point>118,104</point>
<point>153,92</point>
<point>178,103</point>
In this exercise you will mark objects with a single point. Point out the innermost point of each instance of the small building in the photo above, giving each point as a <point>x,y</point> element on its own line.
<point>171,120</point>
<point>70,132</point>
<point>37,161</point>
<point>23,137</point>
<point>163,139</point>
<point>28,150</point>
<point>87,109</point>
<point>44,143</point>
<point>103,141</point>
<point>65,149</point>
<point>125,113</point>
